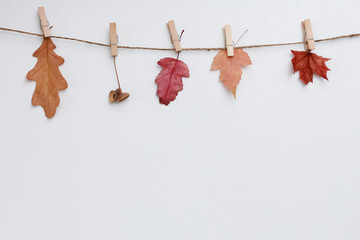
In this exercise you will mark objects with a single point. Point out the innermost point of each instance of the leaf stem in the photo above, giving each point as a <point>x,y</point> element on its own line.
<point>177,58</point>
<point>117,74</point>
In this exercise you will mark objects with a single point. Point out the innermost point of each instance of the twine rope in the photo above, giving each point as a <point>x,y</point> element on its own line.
<point>184,49</point>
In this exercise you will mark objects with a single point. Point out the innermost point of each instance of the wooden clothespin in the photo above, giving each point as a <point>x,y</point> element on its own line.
<point>308,35</point>
<point>115,95</point>
<point>44,22</point>
<point>113,39</point>
<point>228,40</point>
<point>174,35</point>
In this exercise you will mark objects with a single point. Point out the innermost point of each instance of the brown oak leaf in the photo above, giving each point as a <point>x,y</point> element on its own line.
<point>230,67</point>
<point>49,80</point>
<point>309,63</point>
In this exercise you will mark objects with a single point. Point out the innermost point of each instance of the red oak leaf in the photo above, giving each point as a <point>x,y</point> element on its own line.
<point>309,63</point>
<point>169,79</point>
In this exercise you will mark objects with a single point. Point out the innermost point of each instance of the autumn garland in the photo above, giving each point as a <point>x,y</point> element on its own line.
<point>184,49</point>
<point>169,80</point>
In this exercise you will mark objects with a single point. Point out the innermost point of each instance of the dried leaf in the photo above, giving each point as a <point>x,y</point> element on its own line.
<point>48,78</point>
<point>169,79</point>
<point>309,63</point>
<point>230,67</point>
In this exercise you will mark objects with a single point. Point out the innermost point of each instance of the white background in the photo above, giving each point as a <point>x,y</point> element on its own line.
<point>281,162</point>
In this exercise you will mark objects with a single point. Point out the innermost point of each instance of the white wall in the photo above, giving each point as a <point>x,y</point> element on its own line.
<point>280,162</point>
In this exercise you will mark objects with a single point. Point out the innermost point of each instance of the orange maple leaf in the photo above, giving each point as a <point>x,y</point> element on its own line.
<point>230,67</point>
<point>49,80</point>
<point>309,63</point>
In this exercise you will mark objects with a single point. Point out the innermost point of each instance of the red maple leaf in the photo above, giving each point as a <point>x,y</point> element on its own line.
<point>309,63</point>
<point>169,79</point>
